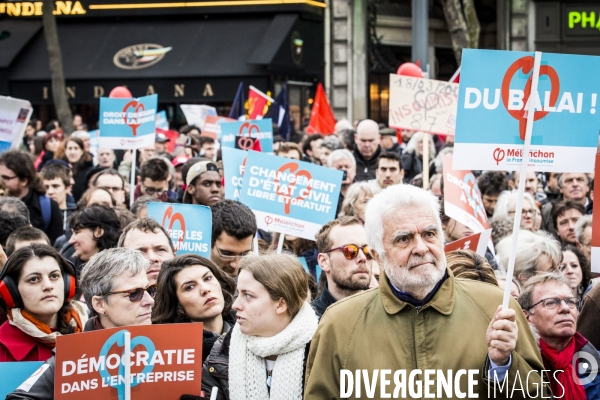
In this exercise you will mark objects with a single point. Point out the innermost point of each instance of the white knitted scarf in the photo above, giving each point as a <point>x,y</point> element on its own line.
<point>247,371</point>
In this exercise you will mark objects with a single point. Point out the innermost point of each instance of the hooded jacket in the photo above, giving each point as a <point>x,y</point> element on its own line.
<point>365,169</point>
<point>375,330</point>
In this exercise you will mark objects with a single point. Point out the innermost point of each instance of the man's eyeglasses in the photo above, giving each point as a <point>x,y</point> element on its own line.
<point>113,189</point>
<point>552,302</point>
<point>151,191</point>
<point>8,178</point>
<point>231,257</point>
<point>350,251</point>
<point>137,294</point>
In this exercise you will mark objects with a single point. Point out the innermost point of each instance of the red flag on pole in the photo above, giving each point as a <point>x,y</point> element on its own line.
<point>321,116</point>
<point>257,101</point>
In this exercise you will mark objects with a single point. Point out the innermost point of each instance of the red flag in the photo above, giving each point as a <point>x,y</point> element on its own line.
<point>172,135</point>
<point>321,116</point>
<point>456,77</point>
<point>257,101</point>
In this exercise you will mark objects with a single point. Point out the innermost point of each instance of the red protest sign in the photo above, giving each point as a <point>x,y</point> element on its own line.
<point>165,363</point>
<point>596,222</point>
<point>462,198</point>
<point>477,243</point>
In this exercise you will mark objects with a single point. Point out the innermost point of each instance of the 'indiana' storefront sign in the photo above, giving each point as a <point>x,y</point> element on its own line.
<point>168,90</point>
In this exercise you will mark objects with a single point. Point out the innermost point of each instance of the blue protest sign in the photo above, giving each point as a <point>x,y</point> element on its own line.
<point>494,94</point>
<point>188,225</point>
<point>290,196</point>
<point>161,120</point>
<point>261,129</point>
<point>234,161</point>
<point>127,123</point>
<point>14,374</point>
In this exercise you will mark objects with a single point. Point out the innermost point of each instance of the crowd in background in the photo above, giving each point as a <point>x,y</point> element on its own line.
<point>82,254</point>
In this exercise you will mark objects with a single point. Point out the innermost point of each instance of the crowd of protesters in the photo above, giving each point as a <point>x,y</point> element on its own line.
<point>80,254</point>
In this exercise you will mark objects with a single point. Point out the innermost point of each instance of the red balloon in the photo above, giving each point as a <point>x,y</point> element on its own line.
<point>120,92</point>
<point>410,69</point>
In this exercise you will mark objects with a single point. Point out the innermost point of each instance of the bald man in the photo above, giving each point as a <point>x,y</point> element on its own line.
<point>367,149</point>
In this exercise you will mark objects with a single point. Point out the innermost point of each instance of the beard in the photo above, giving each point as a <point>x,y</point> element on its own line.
<point>347,282</point>
<point>418,282</point>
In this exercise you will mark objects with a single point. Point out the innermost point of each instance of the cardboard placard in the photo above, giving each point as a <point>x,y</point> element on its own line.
<point>188,225</point>
<point>290,196</point>
<point>423,105</point>
<point>166,362</point>
<point>494,95</point>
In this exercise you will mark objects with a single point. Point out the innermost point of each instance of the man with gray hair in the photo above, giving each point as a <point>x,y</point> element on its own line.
<point>552,310</point>
<point>116,291</point>
<point>367,149</point>
<point>421,319</point>
<point>583,233</point>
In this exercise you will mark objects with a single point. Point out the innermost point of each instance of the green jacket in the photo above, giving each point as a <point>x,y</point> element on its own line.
<point>374,330</point>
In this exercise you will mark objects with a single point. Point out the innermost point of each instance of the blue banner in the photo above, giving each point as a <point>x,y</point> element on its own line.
<point>161,120</point>
<point>234,161</point>
<point>188,225</point>
<point>260,128</point>
<point>127,123</point>
<point>14,374</point>
<point>495,94</point>
<point>290,196</point>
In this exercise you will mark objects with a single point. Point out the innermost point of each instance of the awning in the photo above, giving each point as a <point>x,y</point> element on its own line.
<point>20,33</point>
<point>181,60</point>
<point>155,49</point>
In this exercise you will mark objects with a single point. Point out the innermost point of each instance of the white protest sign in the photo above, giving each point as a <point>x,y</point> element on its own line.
<point>423,104</point>
<point>196,114</point>
<point>14,115</point>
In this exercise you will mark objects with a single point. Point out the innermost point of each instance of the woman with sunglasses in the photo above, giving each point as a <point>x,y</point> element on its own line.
<point>36,288</point>
<point>117,293</point>
<point>264,355</point>
<point>193,289</point>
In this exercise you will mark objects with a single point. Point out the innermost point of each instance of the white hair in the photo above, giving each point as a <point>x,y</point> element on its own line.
<point>507,202</point>
<point>387,202</point>
<point>530,246</point>
<point>438,161</point>
<point>582,224</point>
<point>342,124</point>
<point>81,135</point>
<point>338,155</point>
<point>413,144</point>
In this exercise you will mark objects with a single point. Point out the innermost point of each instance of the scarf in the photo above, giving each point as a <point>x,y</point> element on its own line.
<point>76,316</point>
<point>561,360</point>
<point>247,370</point>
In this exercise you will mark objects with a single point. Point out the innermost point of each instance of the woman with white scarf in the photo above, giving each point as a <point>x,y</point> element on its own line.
<point>266,350</point>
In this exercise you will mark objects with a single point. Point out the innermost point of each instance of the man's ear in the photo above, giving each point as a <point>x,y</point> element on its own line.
<point>401,173</point>
<point>377,257</point>
<point>139,180</point>
<point>191,189</point>
<point>323,260</point>
<point>527,314</point>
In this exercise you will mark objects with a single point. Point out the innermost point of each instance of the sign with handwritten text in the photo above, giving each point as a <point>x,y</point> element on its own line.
<point>423,104</point>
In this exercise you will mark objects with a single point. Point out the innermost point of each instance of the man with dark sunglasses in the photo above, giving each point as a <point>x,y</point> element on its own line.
<point>117,293</point>
<point>550,307</point>
<point>345,260</point>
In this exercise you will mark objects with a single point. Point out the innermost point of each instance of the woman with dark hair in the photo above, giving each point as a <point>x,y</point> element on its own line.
<point>95,228</point>
<point>51,143</point>
<point>81,161</point>
<point>576,269</point>
<point>37,286</point>
<point>192,288</point>
<point>96,195</point>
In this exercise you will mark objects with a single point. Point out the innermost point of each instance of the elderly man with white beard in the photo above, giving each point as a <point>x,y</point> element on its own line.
<point>421,333</point>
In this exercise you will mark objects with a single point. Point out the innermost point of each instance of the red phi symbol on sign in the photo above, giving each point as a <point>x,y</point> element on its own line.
<point>247,128</point>
<point>526,65</point>
<point>498,155</point>
<point>292,167</point>
<point>136,108</point>
<point>170,219</point>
